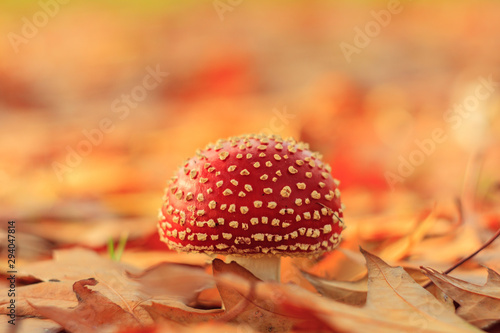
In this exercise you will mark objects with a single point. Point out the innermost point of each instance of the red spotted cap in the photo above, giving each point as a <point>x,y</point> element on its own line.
<point>253,195</point>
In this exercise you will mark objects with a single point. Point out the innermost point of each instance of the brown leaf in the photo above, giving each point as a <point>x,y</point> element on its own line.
<point>73,265</point>
<point>419,277</point>
<point>94,312</point>
<point>163,282</point>
<point>291,271</point>
<point>147,258</point>
<point>96,231</point>
<point>395,303</point>
<point>58,294</point>
<point>479,305</point>
<point>392,291</point>
<point>178,281</point>
<point>209,299</point>
<point>342,264</point>
<point>179,312</point>
<point>79,264</point>
<point>352,293</point>
<point>242,308</point>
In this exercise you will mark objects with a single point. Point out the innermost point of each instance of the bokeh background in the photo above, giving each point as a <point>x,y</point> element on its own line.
<point>87,146</point>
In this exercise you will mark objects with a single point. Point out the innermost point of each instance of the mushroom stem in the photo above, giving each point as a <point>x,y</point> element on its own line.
<point>266,268</point>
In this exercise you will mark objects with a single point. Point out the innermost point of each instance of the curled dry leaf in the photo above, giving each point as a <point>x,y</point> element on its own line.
<point>479,305</point>
<point>124,286</point>
<point>178,312</point>
<point>392,291</point>
<point>353,293</point>
<point>243,308</point>
<point>291,271</point>
<point>58,294</point>
<point>80,264</point>
<point>395,303</point>
<point>94,312</point>
<point>73,265</point>
<point>174,281</point>
<point>209,299</point>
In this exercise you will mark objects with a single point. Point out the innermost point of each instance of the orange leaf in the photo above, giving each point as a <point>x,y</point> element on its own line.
<point>479,305</point>
<point>94,312</point>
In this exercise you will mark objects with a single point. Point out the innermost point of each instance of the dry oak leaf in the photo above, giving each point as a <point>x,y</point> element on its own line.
<point>179,312</point>
<point>347,292</point>
<point>94,312</point>
<point>80,264</point>
<point>121,284</point>
<point>394,294</point>
<point>355,292</point>
<point>174,281</point>
<point>58,294</point>
<point>242,308</point>
<point>73,265</point>
<point>479,305</point>
<point>395,303</point>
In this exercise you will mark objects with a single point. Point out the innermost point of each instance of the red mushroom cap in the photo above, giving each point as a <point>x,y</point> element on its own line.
<point>253,195</point>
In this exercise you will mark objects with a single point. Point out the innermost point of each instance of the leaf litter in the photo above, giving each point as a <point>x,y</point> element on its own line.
<point>387,300</point>
<point>347,290</point>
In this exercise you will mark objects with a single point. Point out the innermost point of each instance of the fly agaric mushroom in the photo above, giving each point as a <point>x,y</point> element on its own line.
<point>254,199</point>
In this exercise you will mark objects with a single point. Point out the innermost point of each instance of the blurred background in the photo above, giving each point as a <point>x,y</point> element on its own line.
<point>100,101</point>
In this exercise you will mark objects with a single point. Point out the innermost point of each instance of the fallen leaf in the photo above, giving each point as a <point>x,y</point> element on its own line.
<point>401,247</point>
<point>73,265</point>
<point>342,264</point>
<point>94,312</point>
<point>80,264</point>
<point>176,281</point>
<point>291,271</point>
<point>59,294</point>
<point>392,290</point>
<point>209,299</point>
<point>148,258</point>
<point>242,308</point>
<point>94,232</point>
<point>179,312</point>
<point>479,305</point>
<point>353,293</point>
<point>395,303</point>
